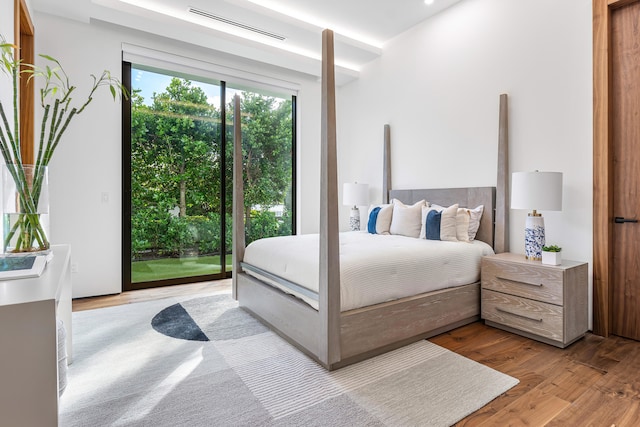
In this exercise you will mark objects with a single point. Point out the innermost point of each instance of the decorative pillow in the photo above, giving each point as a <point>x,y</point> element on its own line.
<point>462,225</point>
<point>405,220</point>
<point>382,220</point>
<point>448,224</point>
<point>373,219</point>
<point>423,221</point>
<point>432,225</point>
<point>474,221</point>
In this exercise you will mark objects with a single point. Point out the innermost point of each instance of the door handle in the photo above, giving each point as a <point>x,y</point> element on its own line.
<point>620,220</point>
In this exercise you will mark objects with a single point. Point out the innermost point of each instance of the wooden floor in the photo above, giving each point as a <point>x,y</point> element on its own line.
<point>594,382</point>
<point>152,294</point>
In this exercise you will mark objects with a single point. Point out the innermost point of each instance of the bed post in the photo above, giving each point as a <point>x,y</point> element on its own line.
<point>386,168</point>
<point>238,199</point>
<point>329,287</point>
<point>501,239</point>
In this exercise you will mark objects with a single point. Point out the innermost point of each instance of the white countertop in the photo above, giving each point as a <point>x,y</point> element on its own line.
<point>45,287</point>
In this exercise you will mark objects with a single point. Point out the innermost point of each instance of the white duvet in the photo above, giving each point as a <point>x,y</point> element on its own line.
<point>373,268</point>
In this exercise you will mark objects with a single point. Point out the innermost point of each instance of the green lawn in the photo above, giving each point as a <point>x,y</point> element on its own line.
<point>171,268</point>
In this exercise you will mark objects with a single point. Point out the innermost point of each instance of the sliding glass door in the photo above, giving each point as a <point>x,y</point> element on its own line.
<point>177,166</point>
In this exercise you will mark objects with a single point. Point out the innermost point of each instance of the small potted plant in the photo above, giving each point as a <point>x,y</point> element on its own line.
<point>552,255</point>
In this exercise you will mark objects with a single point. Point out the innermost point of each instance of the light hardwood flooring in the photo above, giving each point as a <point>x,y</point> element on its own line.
<point>593,382</point>
<point>142,295</point>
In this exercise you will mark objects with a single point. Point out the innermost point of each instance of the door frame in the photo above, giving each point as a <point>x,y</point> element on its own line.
<point>127,284</point>
<point>24,39</point>
<point>126,226</point>
<point>602,165</point>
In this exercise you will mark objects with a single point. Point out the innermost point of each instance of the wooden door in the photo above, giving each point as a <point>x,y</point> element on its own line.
<point>625,144</point>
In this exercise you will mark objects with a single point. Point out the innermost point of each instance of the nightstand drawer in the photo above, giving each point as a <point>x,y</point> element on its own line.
<point>545,320</point>
<point>529,281</point>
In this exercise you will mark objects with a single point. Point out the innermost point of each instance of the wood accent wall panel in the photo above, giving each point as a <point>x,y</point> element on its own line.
<point>24,39</point>
<point>625,143</point>
<point>602,164</point>
<point>602,199</point>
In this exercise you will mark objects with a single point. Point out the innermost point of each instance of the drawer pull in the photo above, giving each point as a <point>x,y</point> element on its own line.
<point>535,319</point>
<point>520,283</point>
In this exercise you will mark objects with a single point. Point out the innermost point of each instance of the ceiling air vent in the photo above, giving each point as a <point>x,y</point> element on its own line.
<point>237,24</point>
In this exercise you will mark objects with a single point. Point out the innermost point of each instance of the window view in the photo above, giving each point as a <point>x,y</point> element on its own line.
<point>267,150</point>
<point>180,166</point>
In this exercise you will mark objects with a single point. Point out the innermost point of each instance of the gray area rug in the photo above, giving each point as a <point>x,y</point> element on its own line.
<point>236,372</point>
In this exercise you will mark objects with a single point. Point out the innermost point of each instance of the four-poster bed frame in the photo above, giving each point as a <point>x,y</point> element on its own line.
<point>334,338</point>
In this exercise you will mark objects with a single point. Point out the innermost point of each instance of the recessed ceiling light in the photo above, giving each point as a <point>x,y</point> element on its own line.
<point>428,2</point>
<point>316,21</point>
<point>153,6</point>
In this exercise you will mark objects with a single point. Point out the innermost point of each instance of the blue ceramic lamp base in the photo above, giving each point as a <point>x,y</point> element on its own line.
<point>534,237</point>
<point>354,219</point>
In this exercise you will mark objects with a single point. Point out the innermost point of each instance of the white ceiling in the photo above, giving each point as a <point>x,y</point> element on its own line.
<point>362,27</point>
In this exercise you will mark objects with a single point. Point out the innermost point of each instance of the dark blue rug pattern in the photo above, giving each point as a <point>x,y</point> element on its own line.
<point>209,318</point>
<point>175,322</point>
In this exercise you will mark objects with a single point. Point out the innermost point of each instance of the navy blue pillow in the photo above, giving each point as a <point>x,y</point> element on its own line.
<point>373,219</point>
<point>432,225</point>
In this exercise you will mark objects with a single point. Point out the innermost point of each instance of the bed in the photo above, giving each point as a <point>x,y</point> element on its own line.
<point>374,268</point>
<point>314,318</point>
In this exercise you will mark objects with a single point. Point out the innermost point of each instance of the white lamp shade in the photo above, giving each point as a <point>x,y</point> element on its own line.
<point>355,194</point>
<point>536,191</point>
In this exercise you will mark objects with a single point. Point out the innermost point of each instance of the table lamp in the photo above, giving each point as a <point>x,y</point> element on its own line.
<point>536,191</point>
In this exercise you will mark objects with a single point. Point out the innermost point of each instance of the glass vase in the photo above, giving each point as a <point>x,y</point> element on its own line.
<point>25,209</point>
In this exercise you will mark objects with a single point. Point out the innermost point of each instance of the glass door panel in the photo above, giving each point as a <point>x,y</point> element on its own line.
<point>175,178</point>
<point>268,153</point>
<point>178,174</point>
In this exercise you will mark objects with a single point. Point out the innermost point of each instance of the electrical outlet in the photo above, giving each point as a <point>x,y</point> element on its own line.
<point>104,197</point>
<point>74,267</point>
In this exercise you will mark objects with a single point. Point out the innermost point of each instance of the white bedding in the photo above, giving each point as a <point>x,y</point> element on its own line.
<point>373,268</point>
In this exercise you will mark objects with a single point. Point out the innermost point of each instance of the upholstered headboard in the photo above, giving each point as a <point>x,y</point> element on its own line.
<point>470,197</point>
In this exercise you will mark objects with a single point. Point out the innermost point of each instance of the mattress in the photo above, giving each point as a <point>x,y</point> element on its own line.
<point>373,268</point>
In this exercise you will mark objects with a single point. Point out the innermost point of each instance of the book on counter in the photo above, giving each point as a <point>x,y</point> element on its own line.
<point>22,267</point>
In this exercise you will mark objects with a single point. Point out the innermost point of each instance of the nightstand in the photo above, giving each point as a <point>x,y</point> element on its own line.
<point>548,303</point>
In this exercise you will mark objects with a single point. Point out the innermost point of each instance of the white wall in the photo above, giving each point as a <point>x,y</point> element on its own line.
<point>438,85</point>
<point>88,161</point>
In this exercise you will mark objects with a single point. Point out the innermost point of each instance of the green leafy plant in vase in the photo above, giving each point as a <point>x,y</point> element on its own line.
<point>24,230</point>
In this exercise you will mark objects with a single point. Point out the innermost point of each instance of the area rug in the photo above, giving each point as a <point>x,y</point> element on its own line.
<point>205,362</point>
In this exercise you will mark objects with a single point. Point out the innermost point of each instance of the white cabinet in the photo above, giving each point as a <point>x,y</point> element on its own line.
<point>28,343</point>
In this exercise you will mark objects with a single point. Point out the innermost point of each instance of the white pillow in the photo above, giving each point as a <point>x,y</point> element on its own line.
<point>383,222</point>
<point>423,222</point>
<point>462,224</point>
<point>474,221</point>
<point>448,224</point>
<point>405,220</point>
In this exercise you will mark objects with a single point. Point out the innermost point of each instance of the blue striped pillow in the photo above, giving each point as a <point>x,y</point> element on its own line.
<point>373,220</point>
<point>432,225</point>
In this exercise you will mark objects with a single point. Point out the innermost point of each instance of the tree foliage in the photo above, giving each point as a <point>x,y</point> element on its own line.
<point>176,156</point>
